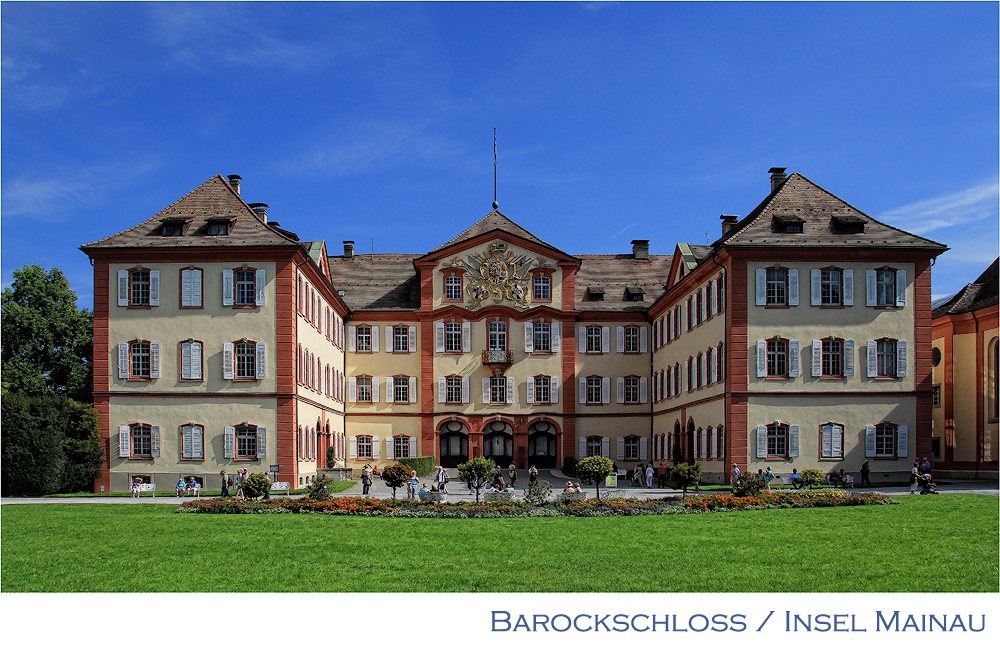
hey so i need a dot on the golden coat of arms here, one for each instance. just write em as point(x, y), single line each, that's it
point(498, 274)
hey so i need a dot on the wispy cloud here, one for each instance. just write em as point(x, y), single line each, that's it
point(623, 230)
point(594, 7)
point(970, 205)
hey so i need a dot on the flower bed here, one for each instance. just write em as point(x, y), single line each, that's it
point(517, 509)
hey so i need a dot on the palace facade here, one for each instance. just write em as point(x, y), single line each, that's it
point(800, 338)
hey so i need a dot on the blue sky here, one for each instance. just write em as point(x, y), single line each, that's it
point(615, 121)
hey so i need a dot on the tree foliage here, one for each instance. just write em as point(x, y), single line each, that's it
point(256, 485)
point(537, 492)
point(811, 477)
point(686, 474)
point(748, 484)
point(478, 472)
point(594, 469)
point(47, 343)
point(394, 477)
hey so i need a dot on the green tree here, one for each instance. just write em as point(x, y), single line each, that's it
point(256, 485)
point(47, 343)
point(811, 477)
point(478, 472)
point(81, 447)
point(394, 477)
point(686, 474)
point(31, 454)
point(748, 484)
point(594, 469)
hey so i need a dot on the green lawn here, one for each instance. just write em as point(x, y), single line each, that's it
point(927, 543)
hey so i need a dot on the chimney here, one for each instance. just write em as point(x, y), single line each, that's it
point(640, 249)
point(234, 180)
point(728, 221)
point(348, 249)
point(777, 177)
point(260, 209)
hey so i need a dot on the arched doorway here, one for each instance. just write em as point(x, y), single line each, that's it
point(453, 442)
point(689, 443)
point(542, 445)
point(498, 443)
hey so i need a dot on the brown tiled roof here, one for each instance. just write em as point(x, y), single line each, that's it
point(377, 281)
point(495, 221)
point(212, 200)
point(614, 273)
point(800, 197)
point(974, 296)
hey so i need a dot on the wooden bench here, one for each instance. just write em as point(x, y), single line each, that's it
point(146, 488)
point(194, 492)
point(281, 486)
point(788, 481)
point(433, 496)
point(500, 497)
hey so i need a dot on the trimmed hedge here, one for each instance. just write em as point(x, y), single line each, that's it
point(423, 465)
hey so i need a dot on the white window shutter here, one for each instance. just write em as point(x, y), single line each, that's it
point(849, 358)
point(390, 343)
point(582, 445)
point(414, 452)
point(583, 391)
point(529, 337)
point(762, 441)
point(352, 339)
point(837, 444)
point(230, 442)
point(686, 378)
point(510, 391)
point(390, 393)
point(154, 287)
point(761, 358)
point(620, 338)
point(620, 452)
point(872, 359)
point(817, 358)
point(581, 340)
point(414, 397)
point(704, 443)
point(466, 337)
point(621, 390)
point(353, 448)
point(553, 390)
point(124, 441)
point(531, 390)
point(197, 442)
point(902, 441)
point(187, 276)
point(390, 447)
point(196, 360)
point(227, 286)
point(439, 336)
point(154, 359)
point(643, 448)
point(826, 442)
point(376, 385)
point(375, 331)
point(412, 339)
point(870, 295)
point(123, 361)
point(261, 285)
point(761, 286)
point(815, 287)
point(605, 339)
point(196, 286)
point(486, 391)
point(794, 359)
point(376, 448)
point(793, 286)
point(715, 366)
point(606, 390)
point(704, 304)
point(466, 398)
point(261, 442)
point(901, 358)
point(670, 326)
point(644, 390)
point(901, 287)
point(261, 360)
point(793, 441)
point(848, 287)
point(605, 447)
point(704, 368)
point(352, 389)
point(442, 390)
point(556, 337)
point(713, 442)
point(643, 339)
point(123, 288)
point(228, 361)
point(869, 440)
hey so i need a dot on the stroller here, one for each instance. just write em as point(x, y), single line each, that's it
point(927, 485)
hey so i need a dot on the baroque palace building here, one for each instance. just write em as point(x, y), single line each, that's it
point(800, 338)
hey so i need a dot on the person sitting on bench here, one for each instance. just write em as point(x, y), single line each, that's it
point(796, 478)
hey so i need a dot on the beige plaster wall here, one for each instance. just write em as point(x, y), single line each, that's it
point(614, 429)
point(964, 396)
point(383, 427)
point(991, 429)
point(311, 339)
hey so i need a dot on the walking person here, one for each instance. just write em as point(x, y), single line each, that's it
point(442, 479)
point(512, 472)
point(225, 483)
point(865, 472)
point(661, 476)
point(649, 476)
point(240, 476)
point(411, 486)
point(366, 479)
point(532, 475)
point(914, 473)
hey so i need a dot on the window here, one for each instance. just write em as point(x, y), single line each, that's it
point(453, 288)
point(139, 287)
point(245, 283)
point(401, 389)
point(364, 336)
point(885, 358)
point(543, 337)
point(593, 340)
point(594, 446)
point(365, 447)
point(400, 339)
point(217, 228)
point(401, 447)
point(453, 337)
point(777, 287)
point(885, 287)
point(453, 390)
point(632, 390)
point(246, 442)
point(831, 441)
point(885, 440)
point(631, 339)
point(142, 440)
point(699, 308)
point(830, 287)
point(632, 448)
point(936, 395)
point(833, 357)
point(191, 359)
point(246, 360)
point(793, 228)
point(191, 287)
point(172, 229)
point(777, 357)
point(498, 390)
point(594, 390)
point(498, 335)
point(139, 354)
point(777, 440)
point(543, 395)
point(364, 384)
point(542, 288)
point(720, 289)
point(192, 441)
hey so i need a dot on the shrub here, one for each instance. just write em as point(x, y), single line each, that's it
point(394, 477)
point(319, 490)
point(594, 469)
point(748, 484)
point(569, 467)
point(686, 474)
point(811, 476)
point(537, 493)
point(478, 471)
point(331, 456)
point(32, 452)
point(257, 485)
point(423, 465)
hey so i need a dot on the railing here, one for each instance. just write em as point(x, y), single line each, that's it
point(498, 357)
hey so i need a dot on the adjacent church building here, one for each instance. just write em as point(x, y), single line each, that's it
point(800, 338)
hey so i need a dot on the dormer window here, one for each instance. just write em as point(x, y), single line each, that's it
point(217, 227)
point(173, 229)
point(848, 224)
point(596, 293)
point(634, 294)
point(787, 224)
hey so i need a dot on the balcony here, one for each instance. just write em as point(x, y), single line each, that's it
point(496, 358)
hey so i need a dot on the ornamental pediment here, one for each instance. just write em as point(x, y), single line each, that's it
point(497, 275)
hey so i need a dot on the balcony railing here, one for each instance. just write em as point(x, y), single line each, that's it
point(498, 357)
